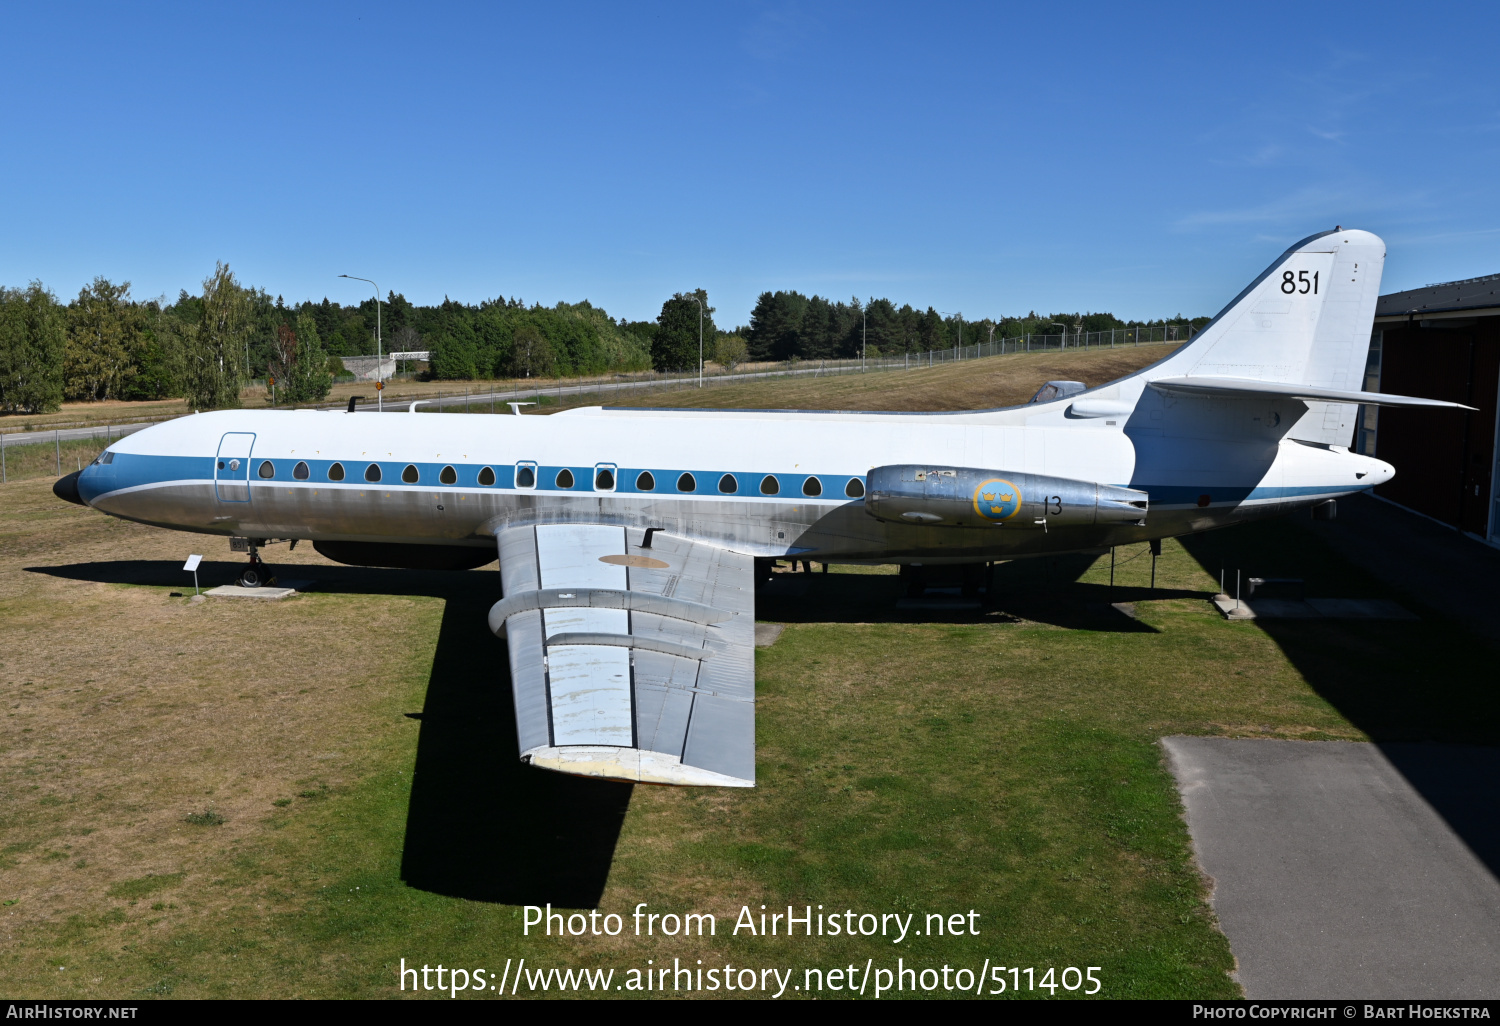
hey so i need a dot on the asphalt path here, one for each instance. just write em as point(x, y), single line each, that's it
point(1344, 870)
point(102, 432)
point(648, 386)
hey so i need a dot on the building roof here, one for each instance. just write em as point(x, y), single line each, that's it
point(1468, 294)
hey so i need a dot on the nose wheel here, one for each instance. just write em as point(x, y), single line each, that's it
point(255, 574)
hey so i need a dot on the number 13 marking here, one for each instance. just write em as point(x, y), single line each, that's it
point(1289, 283)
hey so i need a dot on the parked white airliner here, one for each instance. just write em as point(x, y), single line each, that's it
point(627, 537)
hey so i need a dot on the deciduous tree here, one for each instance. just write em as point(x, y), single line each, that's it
point(213, 364)
point(33, 339)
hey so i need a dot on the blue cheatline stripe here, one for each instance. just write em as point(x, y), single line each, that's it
point(130, 470)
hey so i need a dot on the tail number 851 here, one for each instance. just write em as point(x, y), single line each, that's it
point(1299, 283)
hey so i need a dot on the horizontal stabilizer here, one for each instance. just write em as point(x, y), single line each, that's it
point(1291, 390)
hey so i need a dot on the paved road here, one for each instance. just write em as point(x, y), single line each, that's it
point(619, 389)
point(1346, 870)
point(101, 432)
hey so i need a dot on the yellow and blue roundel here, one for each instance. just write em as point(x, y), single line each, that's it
point(997, 500)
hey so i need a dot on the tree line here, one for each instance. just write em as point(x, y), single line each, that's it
point(788, 325)
point(207, 347)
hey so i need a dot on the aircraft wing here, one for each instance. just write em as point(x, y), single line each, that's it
point(1291, 390)
point(626, 662)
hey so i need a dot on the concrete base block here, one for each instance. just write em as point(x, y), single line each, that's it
point(767, 633)
point(264, 592)
point(1311, 609)
point(946, 600)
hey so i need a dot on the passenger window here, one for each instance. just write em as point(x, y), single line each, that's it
point(645, 482)
point(448, 475)
point(410, 475)
point(769, 485)
point(565, 478)
point(525, 475)
point(372, 473)
point(813, 487)
point(266, 469)
point(604, 477)
point(486, 476)
point(728, 485)
point(300, 471)
point(336, 472)
point(855, 488)
point(686, 483)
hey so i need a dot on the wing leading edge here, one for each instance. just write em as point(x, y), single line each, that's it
point(630, 663)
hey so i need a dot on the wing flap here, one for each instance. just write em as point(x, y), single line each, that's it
point(630, 663)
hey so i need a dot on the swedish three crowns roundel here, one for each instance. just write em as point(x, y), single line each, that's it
point(997, 499)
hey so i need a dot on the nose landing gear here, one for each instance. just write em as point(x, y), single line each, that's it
point(256, 573)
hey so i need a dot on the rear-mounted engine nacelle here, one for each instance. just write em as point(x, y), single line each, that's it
point(966, 497)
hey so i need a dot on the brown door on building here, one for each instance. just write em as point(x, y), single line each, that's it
point(1443, 458)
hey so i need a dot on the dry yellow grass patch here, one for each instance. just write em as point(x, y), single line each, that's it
point(126, 710)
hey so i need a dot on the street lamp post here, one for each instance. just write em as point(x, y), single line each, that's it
point(379, 357)
point(694, 298)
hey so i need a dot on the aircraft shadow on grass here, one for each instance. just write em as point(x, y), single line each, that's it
point(1423, 690)
point(1040, 590)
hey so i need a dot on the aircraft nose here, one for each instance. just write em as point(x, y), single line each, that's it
point(66, 488)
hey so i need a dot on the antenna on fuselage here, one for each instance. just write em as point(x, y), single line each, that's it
point(352, 400)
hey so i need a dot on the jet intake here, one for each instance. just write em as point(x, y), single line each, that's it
point(967, 497)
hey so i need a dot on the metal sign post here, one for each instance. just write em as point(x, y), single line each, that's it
point(192, 564)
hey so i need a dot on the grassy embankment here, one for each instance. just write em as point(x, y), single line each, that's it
point(971, 388)
point(1004, 762)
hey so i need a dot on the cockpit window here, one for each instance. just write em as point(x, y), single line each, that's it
point(109, 457)
point(300, 471)
point(267, 469)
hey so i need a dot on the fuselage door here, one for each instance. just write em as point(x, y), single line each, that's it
point(232, 467)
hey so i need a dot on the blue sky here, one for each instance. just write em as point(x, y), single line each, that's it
point(980, 158)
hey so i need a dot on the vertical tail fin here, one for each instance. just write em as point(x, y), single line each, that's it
point(1306, 320)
